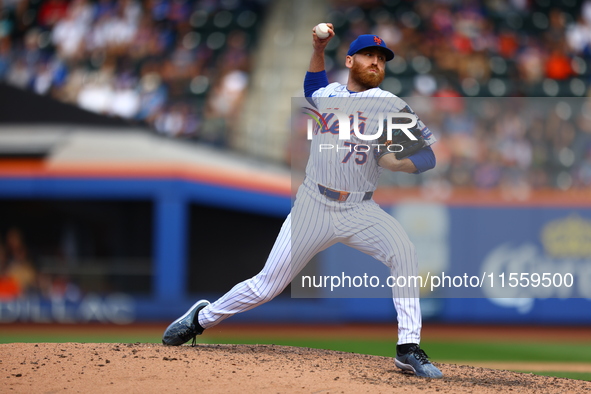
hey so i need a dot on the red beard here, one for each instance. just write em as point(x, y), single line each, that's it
point(366, 78)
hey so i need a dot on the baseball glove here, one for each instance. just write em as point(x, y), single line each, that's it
point(405, 147)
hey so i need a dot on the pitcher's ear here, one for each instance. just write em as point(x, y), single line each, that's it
point(349, 61)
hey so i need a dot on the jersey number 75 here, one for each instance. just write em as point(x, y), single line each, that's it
point(361, 156)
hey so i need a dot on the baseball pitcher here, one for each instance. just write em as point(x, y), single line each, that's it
point(335, 204)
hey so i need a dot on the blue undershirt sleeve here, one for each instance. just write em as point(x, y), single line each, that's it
point(314, 81)
point(424, 160)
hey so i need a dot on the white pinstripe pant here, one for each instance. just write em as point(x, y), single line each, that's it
point(314, 224)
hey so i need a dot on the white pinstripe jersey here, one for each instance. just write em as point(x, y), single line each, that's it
point(343, 168)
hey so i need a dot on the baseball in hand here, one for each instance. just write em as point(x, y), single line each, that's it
point(321, 30)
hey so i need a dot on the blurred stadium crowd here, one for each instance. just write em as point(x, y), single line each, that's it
point(475, 48)
point(183, 67)
point(516, 145)
point(537, 48)
point(153, 61)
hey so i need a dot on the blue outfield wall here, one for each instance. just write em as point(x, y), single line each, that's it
point(455, 240)
point(508, 240)
point(171, 203)
point(507, 246)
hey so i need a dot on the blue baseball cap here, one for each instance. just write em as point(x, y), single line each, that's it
point(369, 41)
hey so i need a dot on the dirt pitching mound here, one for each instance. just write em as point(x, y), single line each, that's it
point(153, 368)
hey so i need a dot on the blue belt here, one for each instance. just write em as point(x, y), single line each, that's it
point(338, 195)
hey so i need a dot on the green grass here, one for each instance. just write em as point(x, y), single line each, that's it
point(516, 351)
point(448, 350)
point(460, 352)
point(562, 374)
point(82, 338)
point(443, 350)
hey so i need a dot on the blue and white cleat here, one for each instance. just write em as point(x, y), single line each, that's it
point(417, 361)
point(185, 327)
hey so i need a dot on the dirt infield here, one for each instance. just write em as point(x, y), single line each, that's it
point(153, 368)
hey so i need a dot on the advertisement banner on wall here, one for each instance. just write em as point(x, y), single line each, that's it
point(489, 264)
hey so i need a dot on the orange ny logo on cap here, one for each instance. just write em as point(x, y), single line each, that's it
point(377, 40)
